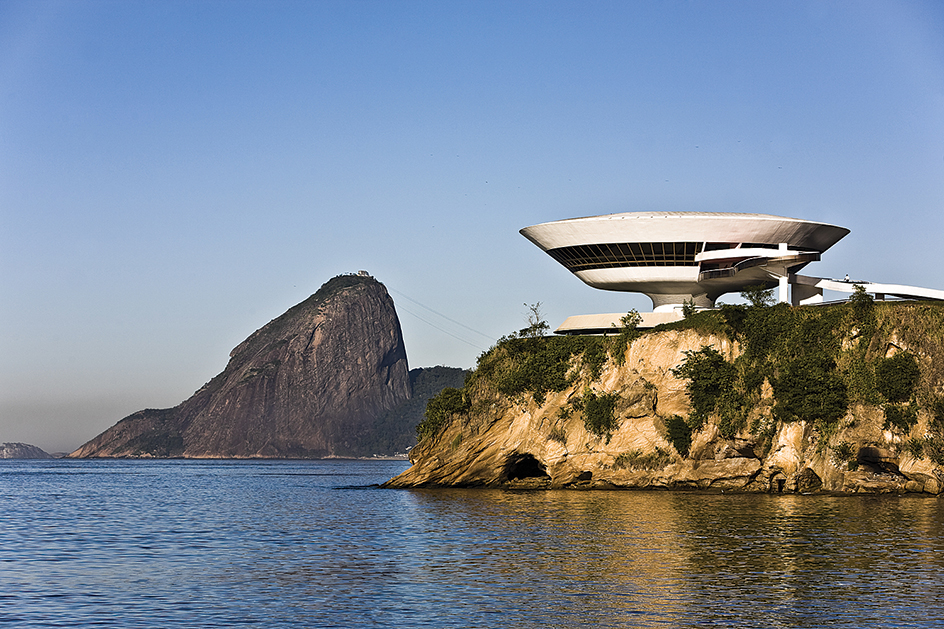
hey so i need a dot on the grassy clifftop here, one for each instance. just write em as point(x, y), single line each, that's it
point(860, 384)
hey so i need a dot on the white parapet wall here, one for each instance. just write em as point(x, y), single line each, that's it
point(807, 290)
point(610, 323)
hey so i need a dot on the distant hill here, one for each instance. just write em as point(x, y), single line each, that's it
point(22, 451)
point(327, 378)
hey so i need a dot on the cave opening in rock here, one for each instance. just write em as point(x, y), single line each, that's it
point(524, 465)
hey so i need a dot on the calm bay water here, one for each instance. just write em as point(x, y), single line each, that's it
point(316, 544)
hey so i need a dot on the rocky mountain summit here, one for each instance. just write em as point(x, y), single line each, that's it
point(845, 399)
point(14, 450)
point(312, 383)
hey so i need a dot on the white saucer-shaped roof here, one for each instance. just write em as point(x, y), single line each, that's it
point(678, 256)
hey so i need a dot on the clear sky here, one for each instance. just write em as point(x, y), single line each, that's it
point(173, 175)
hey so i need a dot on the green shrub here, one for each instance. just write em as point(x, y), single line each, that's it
point(767, 331)
point(810, 389)
point(844, 452)
point(937, 414)
point(534, 365)
point(732, 412)
point(863, 307)
point(599, 415)
point(758, 296)
point(709, 375)
point(934, 448)
point(897, 376)
point(679, 434)
point(440, 409)
point(859, 375)
point(702, 321)
point(915, 447)
point(593, 358)
point(627, 334)
point(734, 316)
point(900, 417)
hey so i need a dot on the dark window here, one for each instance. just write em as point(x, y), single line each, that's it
point(626, 254)
point(719, 246)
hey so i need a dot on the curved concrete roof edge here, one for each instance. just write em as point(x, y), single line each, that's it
point(684, 226)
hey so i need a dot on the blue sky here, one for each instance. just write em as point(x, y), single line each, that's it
point(173, 175)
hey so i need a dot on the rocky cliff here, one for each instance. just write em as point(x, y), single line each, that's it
point(311, 383)
point(796, 401)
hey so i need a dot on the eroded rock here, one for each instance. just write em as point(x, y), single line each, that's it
point(788, 458)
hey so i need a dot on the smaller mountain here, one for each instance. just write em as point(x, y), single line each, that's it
point(16, 450)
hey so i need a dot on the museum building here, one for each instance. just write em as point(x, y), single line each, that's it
point(695, 257)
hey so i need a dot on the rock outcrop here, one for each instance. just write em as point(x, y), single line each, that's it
point(310, 384)
point(16, 450)
point(518, 442)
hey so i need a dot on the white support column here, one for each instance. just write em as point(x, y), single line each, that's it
point(784, 296)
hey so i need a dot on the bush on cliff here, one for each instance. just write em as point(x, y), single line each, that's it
point(709, 376)
point(599, 416)
point(679, 434)
point(524, 362)
point(440, 409)
point(792, 348)
point(818, 360)
point(900, 417)
point(896, 377)
point(529, 362)
point(627, 334)
point(810, 389)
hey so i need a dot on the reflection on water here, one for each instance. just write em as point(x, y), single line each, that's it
point(308, 544)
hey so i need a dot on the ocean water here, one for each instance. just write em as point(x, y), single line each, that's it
point(317, 544)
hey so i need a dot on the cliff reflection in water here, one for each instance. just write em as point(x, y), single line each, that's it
point(582, 557)
point(813, 560)
point(647, 559)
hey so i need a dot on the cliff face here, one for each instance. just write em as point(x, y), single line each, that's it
point(311, 383)
point(517, 441)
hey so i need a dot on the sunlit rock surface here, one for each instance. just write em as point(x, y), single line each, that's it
point(518, 443)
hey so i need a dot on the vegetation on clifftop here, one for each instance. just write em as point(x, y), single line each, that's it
point(528, 363)
point(818, 361)
point(807, 363)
